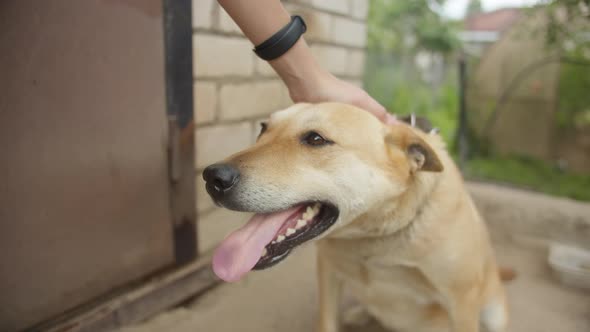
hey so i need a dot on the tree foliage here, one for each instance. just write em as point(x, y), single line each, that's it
point(474, 7)
point(568, 31)
point(568, 26)
point(410, 25)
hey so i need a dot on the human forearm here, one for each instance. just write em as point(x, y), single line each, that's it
point(306, 80)
point(259, 20)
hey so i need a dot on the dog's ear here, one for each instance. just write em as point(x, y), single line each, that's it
point(421, 156)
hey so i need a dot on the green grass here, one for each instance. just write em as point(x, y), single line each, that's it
point(531, 174)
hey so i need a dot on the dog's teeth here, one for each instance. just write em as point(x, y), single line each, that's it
point(300, 223)
point(316, 208)
point(264, 252)
point(280, 238)
point(273, 242)
point(290, 231)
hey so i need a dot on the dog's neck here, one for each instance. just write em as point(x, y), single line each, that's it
point(394, 216)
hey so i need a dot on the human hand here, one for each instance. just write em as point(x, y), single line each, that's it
point(308, 82)
point(326, 87)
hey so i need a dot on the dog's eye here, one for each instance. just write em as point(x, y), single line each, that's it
point(314, 139)
point(263, 127)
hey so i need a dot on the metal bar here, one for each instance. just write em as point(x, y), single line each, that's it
point(179, 100)
point(462, 133)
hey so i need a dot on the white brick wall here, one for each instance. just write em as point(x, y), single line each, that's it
point(349, 32)
point(203, 13)
point(221, 56)
point(205, 97)
point(215, 143)
point(251, 99)
point(234, 89)
point(334, 59)
point(359, 9)
point(337, 6)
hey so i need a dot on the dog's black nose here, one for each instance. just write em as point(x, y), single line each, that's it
point(220, 178)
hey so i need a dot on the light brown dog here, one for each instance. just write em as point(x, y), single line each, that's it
point(394, 221)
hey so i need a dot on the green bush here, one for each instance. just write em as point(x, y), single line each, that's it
point(531, 174)
point(574, 99)
point(440, 107)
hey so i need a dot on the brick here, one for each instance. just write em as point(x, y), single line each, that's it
point(319, 27)
point(356, 63)
point(203, 13)
point(319, 24)
point(349, 32)
point(338, 6)
point(205, 95)
point(226, 24)
point(215, 143)
point(334, 59)
point(216, 225)
point(359, 9)
point(250, 99)
point(204, 202)
point(216, 56)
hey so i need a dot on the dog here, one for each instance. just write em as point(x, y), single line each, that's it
point(387, 207)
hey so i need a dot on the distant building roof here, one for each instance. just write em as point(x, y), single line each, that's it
point(497, 21)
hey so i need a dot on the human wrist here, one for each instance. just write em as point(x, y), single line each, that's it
point(300, 72)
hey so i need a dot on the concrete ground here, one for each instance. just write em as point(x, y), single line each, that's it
point(284, 299)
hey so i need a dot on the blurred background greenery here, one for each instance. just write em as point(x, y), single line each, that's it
point(527, 85)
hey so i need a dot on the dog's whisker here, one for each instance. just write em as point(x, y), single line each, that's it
point(434, 131)
point(413, 120)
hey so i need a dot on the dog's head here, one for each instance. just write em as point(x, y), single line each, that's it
point(313, 169)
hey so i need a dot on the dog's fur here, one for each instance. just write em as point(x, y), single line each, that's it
point(409, 242)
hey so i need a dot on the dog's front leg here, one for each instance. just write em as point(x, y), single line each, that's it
point(330, 289)
point(464, 314)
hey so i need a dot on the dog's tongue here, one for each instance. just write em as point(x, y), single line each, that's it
point(239, 252)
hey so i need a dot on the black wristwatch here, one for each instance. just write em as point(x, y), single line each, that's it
point(279, 43)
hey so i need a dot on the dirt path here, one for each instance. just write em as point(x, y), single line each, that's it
point(522, 214)
point(284, 298)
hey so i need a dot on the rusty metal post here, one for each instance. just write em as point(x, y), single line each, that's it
point(462, 140)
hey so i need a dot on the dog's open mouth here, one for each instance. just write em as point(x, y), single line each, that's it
point(269, 238)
